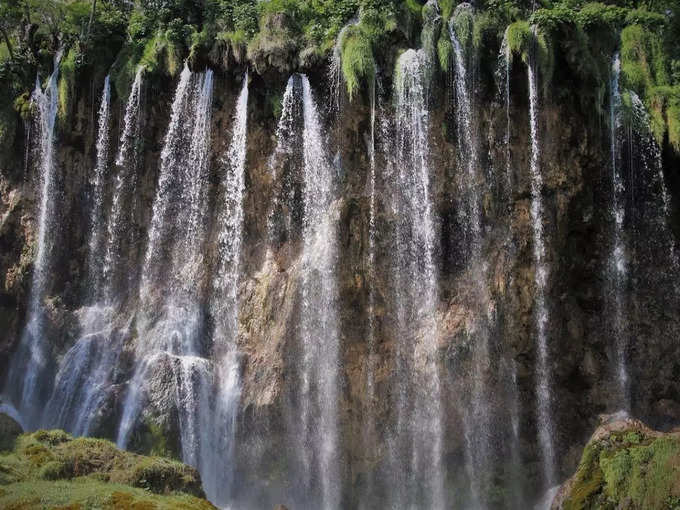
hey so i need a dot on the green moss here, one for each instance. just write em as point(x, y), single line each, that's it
point(413, 7)
point(358, 64)
point(24, 106)
point(444, 51)
point(522, 40)
point(588, 479)
point(90, 472)
point(66, 86)
point(124, 68)
point(616, 470)
point(54, 470)
point(89, 493)
point(463, 22)
point(52, 437)
point(518, 36)
point(628, 468)
point(160, 54)
point(446, 7)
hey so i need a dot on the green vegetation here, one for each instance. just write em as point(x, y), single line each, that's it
point(529, 41)
point(633, 466)
point(573, 38)
point(357, 59)
point(647, 69)
point(50, 468)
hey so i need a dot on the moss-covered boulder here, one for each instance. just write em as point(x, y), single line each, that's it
point(49, 469)
point(625, 465)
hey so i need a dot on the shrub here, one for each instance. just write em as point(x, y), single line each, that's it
point(597, 15)
point(551, 19)
point(648, 19)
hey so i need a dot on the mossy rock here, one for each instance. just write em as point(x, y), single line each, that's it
point(69, 472)
point(10, 430)
point(625, 465)
point(276, 45)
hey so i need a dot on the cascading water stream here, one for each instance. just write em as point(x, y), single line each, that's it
point(503, 72)
point(126, 164)
point(467, 145)
point(617, 264)
point(650, 154)
point(371, 350)
point(285, 164)
point(171, 330)
point(30, 368)
point(84, 374)
point(303, 208)
point(541, 275)
point(319, 321)
point(99, 192)
point(416, 442)
point(217, 470)
point(477, 419)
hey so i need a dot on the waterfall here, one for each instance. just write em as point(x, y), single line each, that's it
point(285, 164)
point(99, 191)
point(30, 368)
point(319, 321)
point(84, 375)
point(650, 154)
point(541, 275)
point(477, 419)
point(416, 443)
point(171, 330)
point(371, 350)
point(123, 189)
point(503, 73)
point(217, 471)
point(467, 146)
point(303, 208)
point(616, 274)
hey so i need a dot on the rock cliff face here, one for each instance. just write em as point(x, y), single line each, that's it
point(484, 316)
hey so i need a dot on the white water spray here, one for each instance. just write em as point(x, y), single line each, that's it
point(541, 275)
